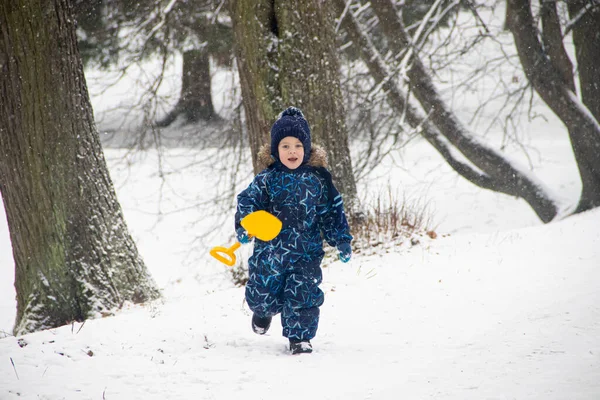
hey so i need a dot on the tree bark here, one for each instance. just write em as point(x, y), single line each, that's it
point(255, 41)
point(310, 80)
point(74, 258)
point(287, 56)
point(586, 36)
point(552, 39)
point(584, 128)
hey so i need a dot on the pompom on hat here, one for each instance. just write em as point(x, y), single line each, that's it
point(291, 122)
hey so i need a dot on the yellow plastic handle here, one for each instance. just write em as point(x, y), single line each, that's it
point(261, 224)
point(224, 254)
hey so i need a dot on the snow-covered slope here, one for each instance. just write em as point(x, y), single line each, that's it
point(506, 315)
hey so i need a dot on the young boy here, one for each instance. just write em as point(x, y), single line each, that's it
point(285, 273)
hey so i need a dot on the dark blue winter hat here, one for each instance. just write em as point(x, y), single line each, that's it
point(291, 122)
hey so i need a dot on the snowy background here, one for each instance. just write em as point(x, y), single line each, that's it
point(498, 306)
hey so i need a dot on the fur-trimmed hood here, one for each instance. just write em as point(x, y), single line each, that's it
point(318, 157)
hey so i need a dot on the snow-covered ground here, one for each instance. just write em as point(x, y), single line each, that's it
point(501, 308)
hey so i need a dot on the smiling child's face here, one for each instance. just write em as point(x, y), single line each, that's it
point(291, 152)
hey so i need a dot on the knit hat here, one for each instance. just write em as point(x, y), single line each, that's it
point(291, 122)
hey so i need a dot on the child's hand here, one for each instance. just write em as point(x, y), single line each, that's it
point(243, 238)
point(345, 252)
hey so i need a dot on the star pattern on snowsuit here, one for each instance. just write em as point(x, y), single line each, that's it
point(285, 273)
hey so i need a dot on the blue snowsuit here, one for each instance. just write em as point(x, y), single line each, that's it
point(285, 273)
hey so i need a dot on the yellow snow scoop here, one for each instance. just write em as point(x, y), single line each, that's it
point(260, 224)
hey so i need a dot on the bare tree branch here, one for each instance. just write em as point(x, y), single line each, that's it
point(500, 174)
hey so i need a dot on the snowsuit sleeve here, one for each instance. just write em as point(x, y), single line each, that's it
point(255, 197)
point(333, 221)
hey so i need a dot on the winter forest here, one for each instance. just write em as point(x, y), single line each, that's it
point(463, 136)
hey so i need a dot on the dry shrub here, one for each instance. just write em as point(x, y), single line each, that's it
point(388, 221)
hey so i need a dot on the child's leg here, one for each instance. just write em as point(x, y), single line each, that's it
point(302, 299)
point(264, 288)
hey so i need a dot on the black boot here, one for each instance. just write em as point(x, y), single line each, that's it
point(300, 346)
point(260, 325)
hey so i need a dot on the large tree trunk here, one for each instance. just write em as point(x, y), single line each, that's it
point(552, 39)
point(584, 128)
point(255, 41)
point(310, 80)
point(195, 101)
point(287, 56)
point(488, 168)
point(74, 257)
point(586, 36)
